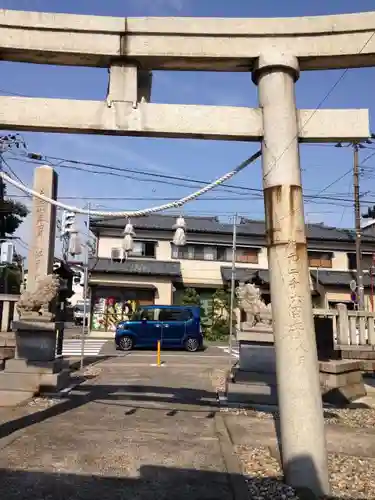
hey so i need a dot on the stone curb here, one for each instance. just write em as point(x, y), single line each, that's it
point(224, 403)
point(235, 476)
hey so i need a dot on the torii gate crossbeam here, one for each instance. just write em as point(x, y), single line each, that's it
point(274, 51)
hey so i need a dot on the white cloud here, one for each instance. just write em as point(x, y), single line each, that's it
point(155, 7)
point(91, 146)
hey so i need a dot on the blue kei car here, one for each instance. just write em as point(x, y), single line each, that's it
point(174, 326)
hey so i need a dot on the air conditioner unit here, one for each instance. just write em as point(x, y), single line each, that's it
point(117, 255)
point(7, 252)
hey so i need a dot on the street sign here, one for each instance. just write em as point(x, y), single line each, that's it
point(353, 285)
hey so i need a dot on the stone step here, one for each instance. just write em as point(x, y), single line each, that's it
point(250, 377)
point(256, 393)
point(19, 382)
point(14, 398)
point(23, 366)
point(33, 382)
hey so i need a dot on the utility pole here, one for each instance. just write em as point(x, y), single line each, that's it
point(357, 212)
point(85, 287)
point(7, 142)
point(2, 193)
point(232, 284)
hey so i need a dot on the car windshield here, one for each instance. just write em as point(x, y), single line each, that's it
point(80, 308)
point(141, 314)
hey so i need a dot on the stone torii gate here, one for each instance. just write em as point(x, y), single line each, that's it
point(274, 51)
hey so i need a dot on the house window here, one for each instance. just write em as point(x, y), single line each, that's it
point(143, 249)
point(320, 259)
point(209, 253)
point(212, 253)
point(185, 252)
point(367, 261)
point(248, 255)
point(223, 254)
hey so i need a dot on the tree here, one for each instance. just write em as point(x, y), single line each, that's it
point(220, 316)
point(12, 214)
point(191, 297)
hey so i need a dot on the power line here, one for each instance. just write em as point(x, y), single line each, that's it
point(308, 198)
point(327, 95)
point(3, 91)
point(155, 177)
point(196, 181)
point(15, 175)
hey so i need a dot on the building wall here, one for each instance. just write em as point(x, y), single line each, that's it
point(340, 261)
point(199, 272)
point(207, 274)
point(163, 286)
point(163, 252)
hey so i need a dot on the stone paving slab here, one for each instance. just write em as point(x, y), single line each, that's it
point(104, 444)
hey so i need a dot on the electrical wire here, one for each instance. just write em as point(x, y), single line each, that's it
point(244, 188)
point(136, 213)
point(46, 159)
point(327, 95)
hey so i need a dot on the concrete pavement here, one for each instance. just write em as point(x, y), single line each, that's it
point(139, 432)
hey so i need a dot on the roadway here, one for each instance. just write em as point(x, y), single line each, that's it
point(96, 347)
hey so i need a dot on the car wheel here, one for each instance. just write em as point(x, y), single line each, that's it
point(126, 343)
point(191, 345)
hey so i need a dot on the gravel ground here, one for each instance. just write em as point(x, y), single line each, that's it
point(91, 371)
point(363, 418)
point(351, 477)
point(42, 403)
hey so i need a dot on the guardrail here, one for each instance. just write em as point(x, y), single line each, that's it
point(352, 330)
point(8, 312)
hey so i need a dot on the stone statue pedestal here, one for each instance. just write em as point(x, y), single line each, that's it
point(35, 368)
point(254, 381)
point(35, 339)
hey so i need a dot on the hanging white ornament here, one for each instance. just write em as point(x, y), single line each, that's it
point(127, 242)
point(179, 238)
point(75, 246)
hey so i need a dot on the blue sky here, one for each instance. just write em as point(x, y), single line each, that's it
point(199, 159)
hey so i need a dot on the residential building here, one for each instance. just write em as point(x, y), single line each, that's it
point(157, 272)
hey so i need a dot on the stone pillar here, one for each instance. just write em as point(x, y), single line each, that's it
point(303, 446)
point(5, 316)
point(128, 83)
point(43, 228)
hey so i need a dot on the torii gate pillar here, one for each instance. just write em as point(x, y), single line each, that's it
point(300, 401)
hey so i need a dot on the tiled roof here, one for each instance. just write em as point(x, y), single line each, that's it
point(338, 278)
point(132, 266)
point(246, 227)
point(245, 274)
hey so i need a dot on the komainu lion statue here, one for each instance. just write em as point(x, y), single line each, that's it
point(46, 290)
point(250, 300)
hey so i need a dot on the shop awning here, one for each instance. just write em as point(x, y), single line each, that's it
point(338, 278)
point(245, 274)
point(259, 277)
point(135, 267)
point(139, 286)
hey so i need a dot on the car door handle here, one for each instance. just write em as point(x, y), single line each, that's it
point(157, 326)
point(166, 326)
